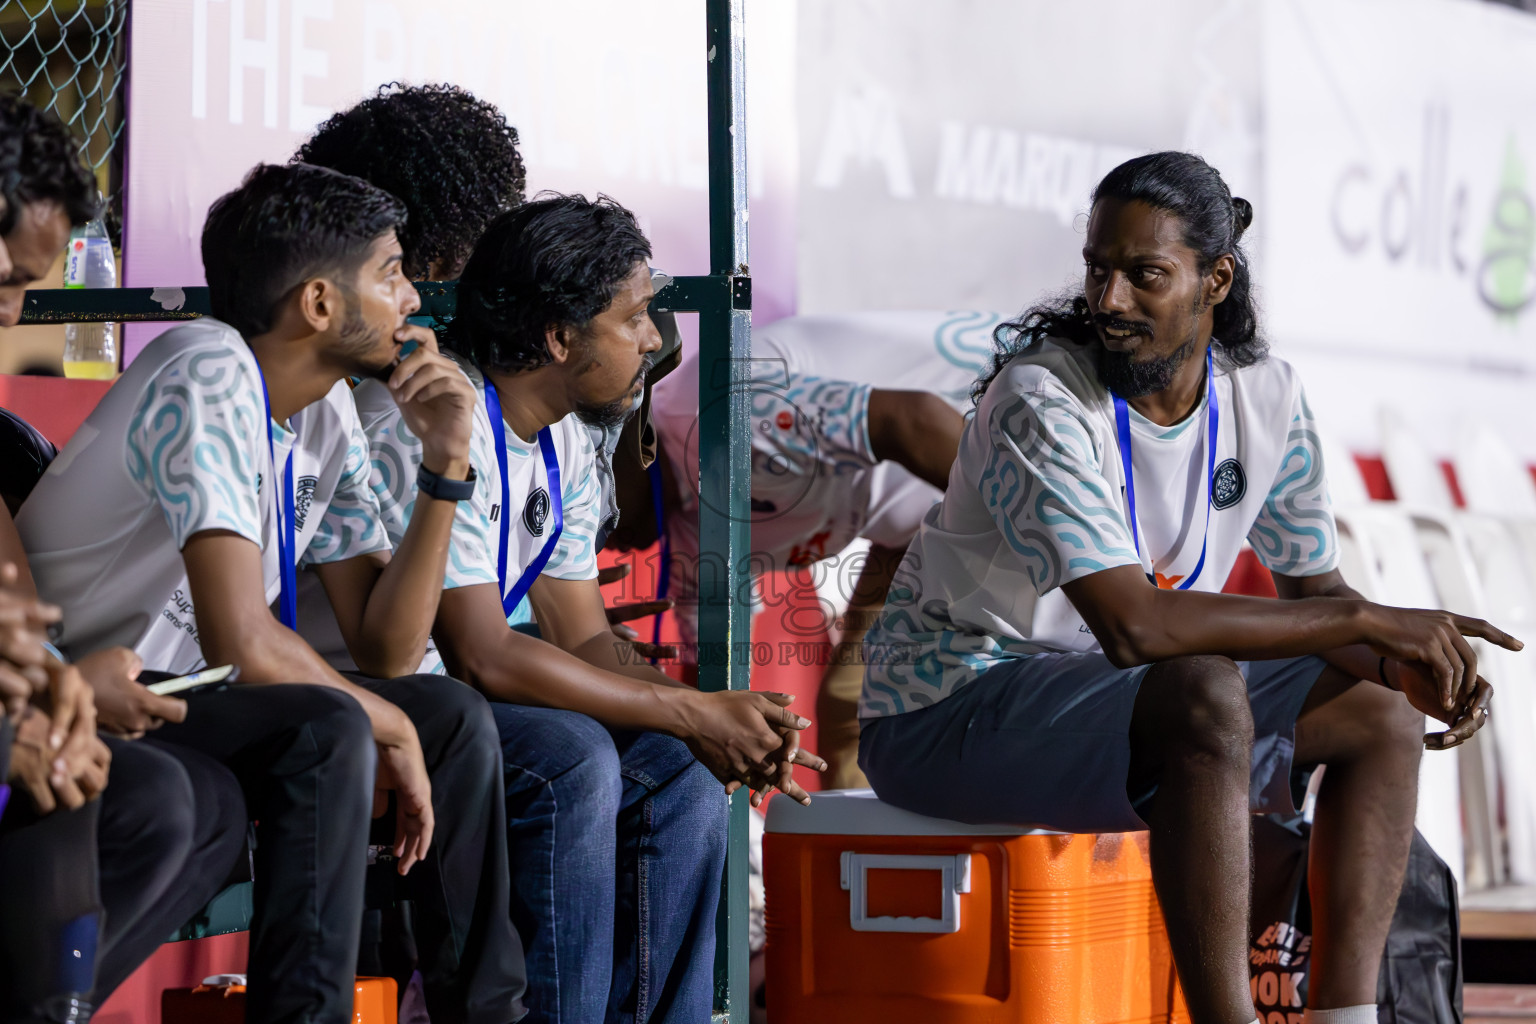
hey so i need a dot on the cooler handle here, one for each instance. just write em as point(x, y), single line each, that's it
point(954, 878)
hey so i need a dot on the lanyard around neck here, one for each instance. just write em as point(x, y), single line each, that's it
point(288, 595)
point(512, 598)
point(1212, 422)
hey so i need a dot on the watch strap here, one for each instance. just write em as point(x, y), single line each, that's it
point(442, 488)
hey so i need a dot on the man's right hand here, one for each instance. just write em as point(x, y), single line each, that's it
point(733, 733)
point(71, 776)
point(1437, 641)
point(124, 706)
point(402, 768)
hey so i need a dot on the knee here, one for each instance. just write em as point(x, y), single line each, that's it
point(159, 809)
point(566, 755)
point(341, 731)
point(1392, 725)
point(1198, 706)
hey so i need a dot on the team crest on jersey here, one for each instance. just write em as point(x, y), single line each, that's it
point(1229, 485)
point(303, 497)
point(536, 512)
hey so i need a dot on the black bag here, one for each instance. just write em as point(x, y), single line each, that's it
point(1420, 979)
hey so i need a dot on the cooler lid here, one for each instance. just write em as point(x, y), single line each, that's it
point(858, 812)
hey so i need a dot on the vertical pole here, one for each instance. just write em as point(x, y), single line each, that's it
point(725, 324)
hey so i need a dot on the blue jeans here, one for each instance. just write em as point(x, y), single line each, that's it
point(617, 845)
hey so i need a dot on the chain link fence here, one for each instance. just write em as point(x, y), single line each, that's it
point(70, 57)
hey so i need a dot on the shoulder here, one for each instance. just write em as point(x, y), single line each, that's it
point(1271, 388)
point(1047, 378)
point(206, 353)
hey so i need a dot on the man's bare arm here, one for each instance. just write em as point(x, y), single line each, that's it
point(236, 627)
point(571, 616)
point(918, 429)
point(1136, 623)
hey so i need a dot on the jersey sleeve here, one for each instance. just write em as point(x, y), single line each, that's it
point(1295, 534)
point(351, 525)
point(814, 420)
point(575, 554)
point(395, 455)
point(198, 440)
point(1044, 486)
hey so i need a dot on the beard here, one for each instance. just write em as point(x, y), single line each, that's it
point(607, 415)
point(1130, 379)
point(1127, 378)
point(357, 344)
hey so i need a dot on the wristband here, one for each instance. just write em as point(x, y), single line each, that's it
point(440, 487)
point(1381, 670)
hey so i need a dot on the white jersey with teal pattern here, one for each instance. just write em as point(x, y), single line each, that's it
point(179, 446)
point(472, 555)
point(1037, 500)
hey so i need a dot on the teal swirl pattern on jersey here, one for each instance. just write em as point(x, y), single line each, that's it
point(395, 455)
point(1295, 533)
point(196, 443)
point(1043, 486)
point(964, 339)
point(351, 524)
point(810, 425)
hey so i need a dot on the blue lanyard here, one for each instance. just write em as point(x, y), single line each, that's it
point(664, 572)
point(288, 595)
point(514, 597)
point(1212, 421)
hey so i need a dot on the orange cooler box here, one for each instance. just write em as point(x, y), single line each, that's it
point(221, 1000)
point(879, 915)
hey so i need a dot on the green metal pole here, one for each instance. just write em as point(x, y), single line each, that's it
point(725, 326)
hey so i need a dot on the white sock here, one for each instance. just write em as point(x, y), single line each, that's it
point(1365, 1013)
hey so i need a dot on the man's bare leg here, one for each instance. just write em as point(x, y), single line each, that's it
point(837, 701)
point(1371, 741)
point(1192, 732)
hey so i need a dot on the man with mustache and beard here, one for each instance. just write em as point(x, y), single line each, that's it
point(1055, 650)
point(228, 454)
point(616, 815)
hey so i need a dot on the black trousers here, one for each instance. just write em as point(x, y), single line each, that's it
point(172, 828)
point(471, 959)
point(49, 907)
point(304, 758)
point(86, 896)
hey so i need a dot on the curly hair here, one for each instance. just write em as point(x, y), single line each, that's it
point(557, 261)
point(450, 157)
point(40, 162)
point(285, 224)
point(1213, 221)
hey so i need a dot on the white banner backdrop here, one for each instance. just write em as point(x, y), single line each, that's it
point(1388, 147)
point(1400, 137)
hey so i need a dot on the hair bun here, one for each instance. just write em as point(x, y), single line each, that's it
point(1242, 212)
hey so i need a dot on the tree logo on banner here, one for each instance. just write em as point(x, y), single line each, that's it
point(1506, 280)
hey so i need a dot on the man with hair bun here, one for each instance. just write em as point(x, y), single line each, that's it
point(1055, 650)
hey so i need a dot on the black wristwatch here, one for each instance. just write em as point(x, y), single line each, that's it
point(444, 489)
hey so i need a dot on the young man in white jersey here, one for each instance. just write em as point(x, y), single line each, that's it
point(228, 454)
point(851, 438)
point(617, 829)
point(1055, 650)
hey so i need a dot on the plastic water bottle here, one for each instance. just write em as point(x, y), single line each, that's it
point(90, 350)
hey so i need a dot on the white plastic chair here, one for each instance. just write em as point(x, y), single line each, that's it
point(1379, 556)
point(1480, 568)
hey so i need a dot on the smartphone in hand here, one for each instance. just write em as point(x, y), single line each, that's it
point(207, 679)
